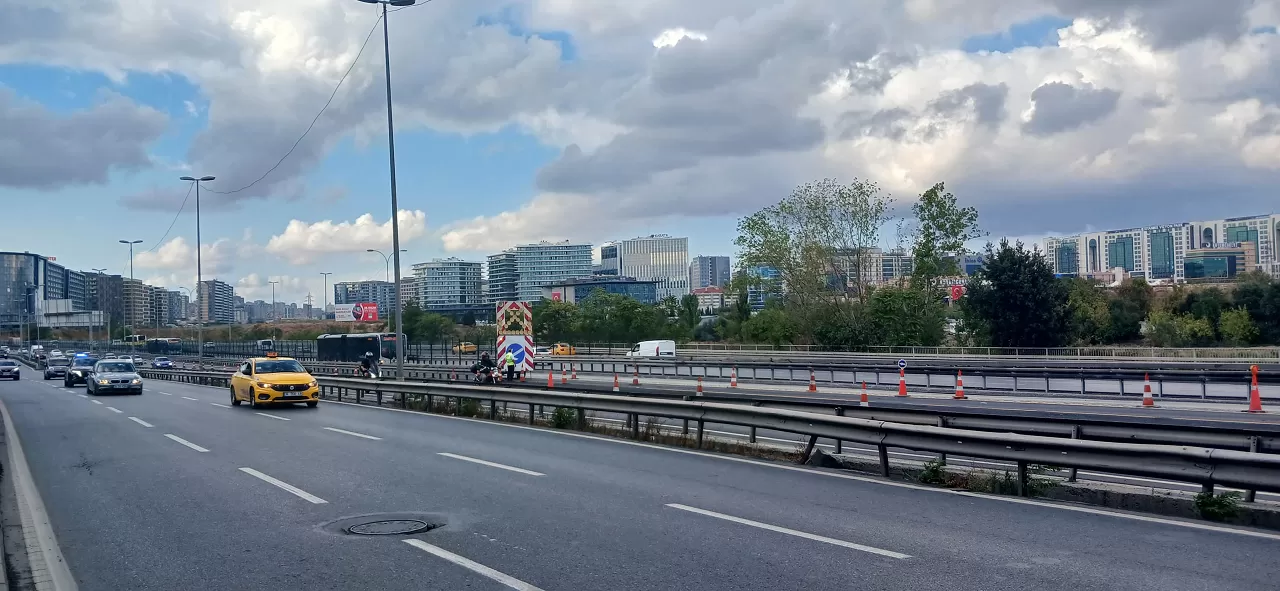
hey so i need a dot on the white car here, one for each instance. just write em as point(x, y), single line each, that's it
point(55, 353)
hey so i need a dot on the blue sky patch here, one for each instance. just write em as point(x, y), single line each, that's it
point(1038, 32)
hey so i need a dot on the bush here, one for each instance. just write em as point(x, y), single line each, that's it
point(934, 473)
point(468, 407)
point(1218, 507)
point(564, 417)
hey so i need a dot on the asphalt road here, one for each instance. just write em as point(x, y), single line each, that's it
point(136, 505)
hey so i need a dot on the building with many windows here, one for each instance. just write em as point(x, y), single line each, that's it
point(216, 302)
point(709, 298)
point(178, 302)
point(382, 293)
point(1158, 253)
point(520, 273)
point(448, 283)
point(660, 258)
point(1219, 262)
point(709, 271)
point(576, 290)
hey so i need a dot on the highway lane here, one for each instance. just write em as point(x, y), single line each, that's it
point(596, 517)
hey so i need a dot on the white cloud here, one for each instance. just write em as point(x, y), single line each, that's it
point(177, 254)
point(288, 288)
point(670, 37)
point(302, 243)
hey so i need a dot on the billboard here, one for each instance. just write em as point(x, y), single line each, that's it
point(515, 332)
point(361, 312)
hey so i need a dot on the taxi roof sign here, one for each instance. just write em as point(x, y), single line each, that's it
point(272, 354)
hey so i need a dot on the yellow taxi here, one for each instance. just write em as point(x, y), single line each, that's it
point(464, 348)
point(563, 349)
point(273, 380)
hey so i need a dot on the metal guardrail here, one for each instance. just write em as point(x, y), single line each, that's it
point(1205, 466)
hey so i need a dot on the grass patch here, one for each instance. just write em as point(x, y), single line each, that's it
point(1218, 507)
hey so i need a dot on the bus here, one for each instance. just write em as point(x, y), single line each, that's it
point(164, 346)
point(351, 347)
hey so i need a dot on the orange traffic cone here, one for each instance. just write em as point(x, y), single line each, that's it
point(699, 385)
point(813, 383)
point(635, 379)
point(1255, 396)
point(573, 372)
point(902, 382)
point(522, 376)
point(733, 378)
point(616, 388)
point(864, 401)
point(551, 381)
point(960, 385)
point(564, 377)
point(1147, 400)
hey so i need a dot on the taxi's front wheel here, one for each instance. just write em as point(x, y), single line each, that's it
point(313, 404)
point(234, 401)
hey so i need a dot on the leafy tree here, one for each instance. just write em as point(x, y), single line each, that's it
point(468, 318)
point(670, 306)
point(1260, 296)
point(907, 317)
point(942, 229)
point(771, 325)
point(1208, 304)
point(1168, 329)
point(1090, 316)
point(1126, 320)
point(1018, 300)
point(689, 313)
point(554, 321)
point(1236, 327)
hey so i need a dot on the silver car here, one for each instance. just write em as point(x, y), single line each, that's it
point(114, 376)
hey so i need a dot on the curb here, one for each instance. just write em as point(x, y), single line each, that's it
point(49, 571)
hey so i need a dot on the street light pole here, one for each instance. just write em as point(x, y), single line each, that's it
point(386, 261)
point(130, 318)
point(199, 273)
point(395, 207)
point(324, 312)
point(274, 315)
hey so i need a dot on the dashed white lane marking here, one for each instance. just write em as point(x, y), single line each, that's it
point(284, 485)
point(186, 443)
point(114, 409)
point(82, 395)
point(270, 416)
point(472, 566)
point(491, 464)
point(792, 532)
point(190, 398)
point(96, 401)
point(219, 405)
point(352, 433)
point(141, 422)
point(166, 393)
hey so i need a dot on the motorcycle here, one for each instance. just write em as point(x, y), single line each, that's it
point(486, 376)
point(371, 374)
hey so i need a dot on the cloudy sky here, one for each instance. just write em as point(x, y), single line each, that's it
point(525, 120)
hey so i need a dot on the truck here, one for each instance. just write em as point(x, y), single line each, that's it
point(663, 348)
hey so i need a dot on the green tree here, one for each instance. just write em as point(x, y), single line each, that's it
point(554, 321)
point(1236, 328)
point(1208, 304)
point(1169, 329)
point(1090, 315)
point(771, 325)
point(670, 306)
point(1017, 298)
point(907, 317)
point(690, 314)
point(1132, 303)
point(942, 229)
point(1259, 294)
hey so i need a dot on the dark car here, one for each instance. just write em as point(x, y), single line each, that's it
point(161, 363)
point(79, 369)
point(9, 370)
point(56, 368)
point(114, 376)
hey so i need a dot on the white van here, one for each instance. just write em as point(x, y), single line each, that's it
point(653, 349)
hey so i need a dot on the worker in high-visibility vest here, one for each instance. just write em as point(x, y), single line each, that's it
point(509, 362)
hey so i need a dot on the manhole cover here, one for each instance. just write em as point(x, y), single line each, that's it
point(391, 527)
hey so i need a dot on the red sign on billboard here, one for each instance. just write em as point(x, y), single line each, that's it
point(364, 312)
point(555, 296)
point(957, 291)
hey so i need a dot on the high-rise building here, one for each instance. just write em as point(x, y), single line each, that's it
point(381, 293)
point(137, 304)
point(177, 306)
point(1158, 253)
point(108, 296)
point(520, 273)
point(895, 265)
point(158, 306)
point(20, 278)
point(448, 283)
point(217, 302)
point(709, 271)
point(766, 283)
point(658, 258)
point(410, 291)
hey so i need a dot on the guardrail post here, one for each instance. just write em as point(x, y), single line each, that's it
point(531, 415)
point(751, 437)
point(1206, 488)
point(684, 430)
point(942, 457)
point(884, 459)
point(1022, 479)
point(1204, 387)
point(431, 407)
point(808, 448)
point(359, 395)
point(1015, 382)
point(635, 427)
point(839, 443)
point(1075, 434)
point(378, 392)
point(700, 429)
point(1250, 495)
point(582, 419)
point(493, 409)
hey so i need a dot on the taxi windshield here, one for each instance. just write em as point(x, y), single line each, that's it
point(278, 366)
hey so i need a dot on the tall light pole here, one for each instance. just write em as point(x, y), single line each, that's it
point(395, 207)
point(385, 260)
point(130, 318)
point(199, 273)
point(274, 315)
point(324, 312)
point(98, 291)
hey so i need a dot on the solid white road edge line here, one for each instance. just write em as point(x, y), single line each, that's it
point(491, 464)
point(43, 554)
point(792, 532)
point(472, 566)
point(272, 416)
point(352, 433)
point(141, 422)
point(186, 443)
point(285, 486)
point(830, 474)
point(114, 409)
